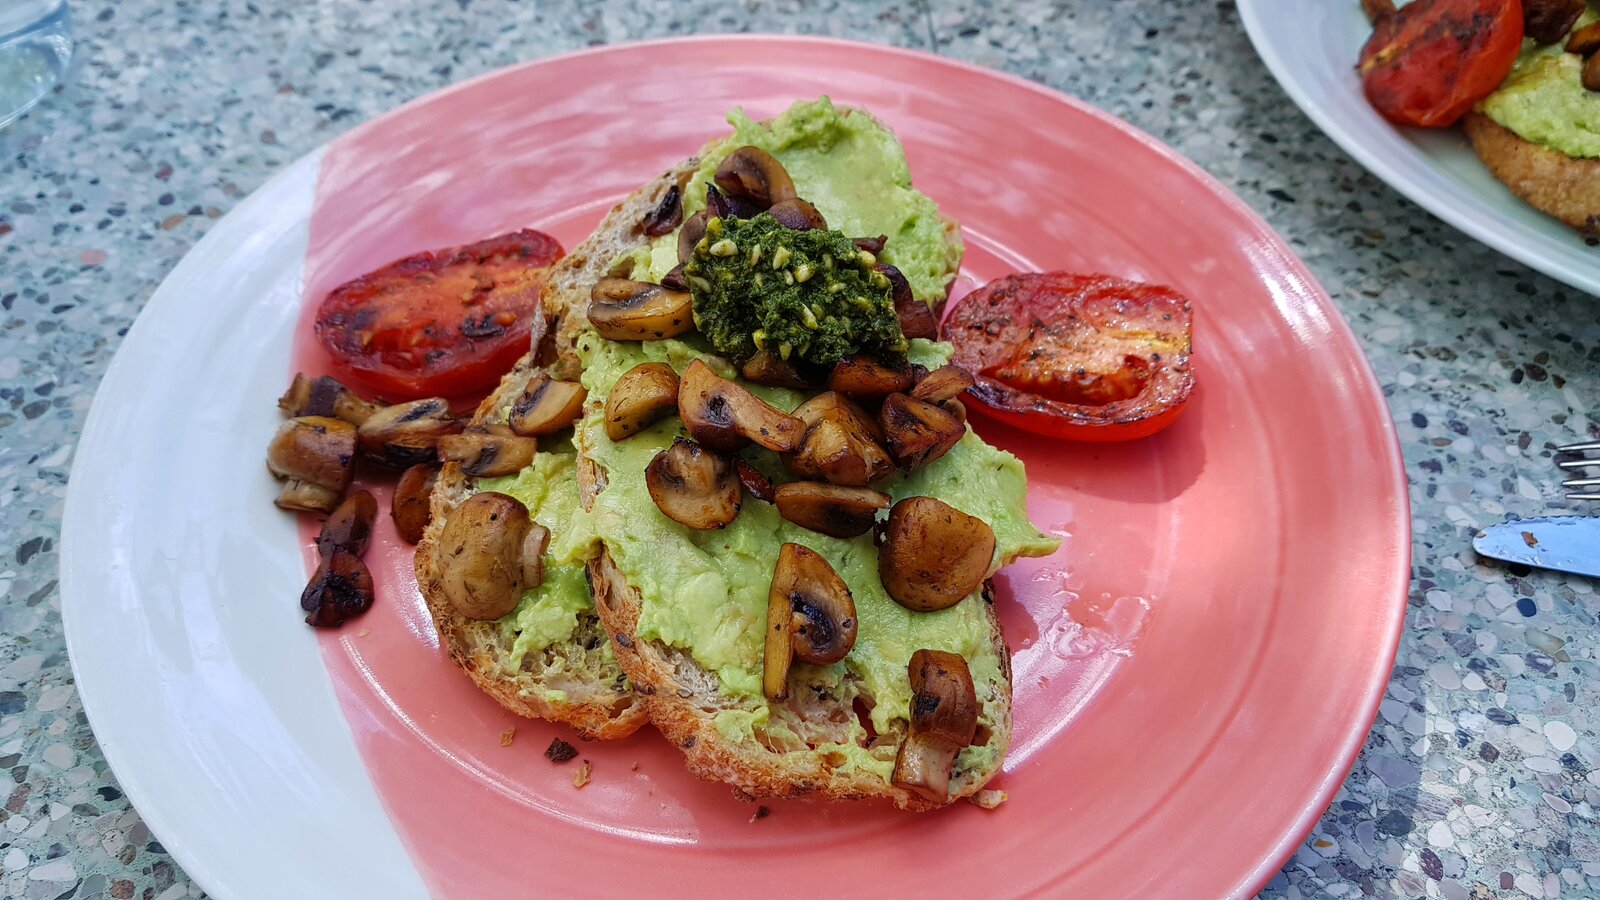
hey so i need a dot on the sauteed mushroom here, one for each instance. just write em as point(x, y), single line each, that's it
point(766, 367)
point(864, 378)
point(666, 215)
point(873, 245)
point(1591, 72)
point(944, 718)
point(409, 507)
point(316, 455)
point(841, 443)
point(349, 527)
point(693, 486)
point(830, 508)
point(643, 394)
point(933, 554)
point(341, 587)
point(942, 384)
point(724, 416)
point(488, 451)
point(324, 396)
point(406, 434)
point(916, 318)
point(810, 616)
point(755, 483)
point(675, 279)
point(1548, 21)
point(1585, 41)
point(546, 406)
point(483, 544)
point(622, 309)
point(919, 432)
point(694, 228)
point(756, 175)
point(798, 215)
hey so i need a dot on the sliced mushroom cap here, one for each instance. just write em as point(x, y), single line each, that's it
point(830, 508)
point(728, 206)
point(944, 719)
point(873, 245)
point(642, 395)
point(546, 406)
point(693, 486)
point(481, 555)
point(666, 215)
point(864, 378)
point(694, 228)
point(622, 309)
point(1591, 73)
point(756, 175)
point(943, 383)
point(810, 616)
point(325, 396)
point(755, 483)
point(407, 434)
point(916, 318)
point(488, 452)
point(766, 367)
point(726, 417)
point(933, 554)
point(349, 526)
point(409, 507)
point(798, 215)
point(1585, 40)
point(340, 589)
point(841, 443)
point(316, 455)
point(918, 432)
point(1548, 21)
point(675, 279)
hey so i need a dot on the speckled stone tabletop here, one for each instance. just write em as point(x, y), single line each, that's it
point(1482, 775)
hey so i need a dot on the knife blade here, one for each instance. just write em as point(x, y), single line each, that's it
point(1562, 543)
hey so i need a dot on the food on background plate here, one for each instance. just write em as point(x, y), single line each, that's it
point(1522, 77)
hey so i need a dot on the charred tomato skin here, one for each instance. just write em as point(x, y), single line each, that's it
point(1082, 357)
point(1433, 60)
point(441, 323)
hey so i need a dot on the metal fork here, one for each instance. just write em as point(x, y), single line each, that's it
point(1590, 487)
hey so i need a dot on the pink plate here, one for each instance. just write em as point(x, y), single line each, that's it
point(1195, 670)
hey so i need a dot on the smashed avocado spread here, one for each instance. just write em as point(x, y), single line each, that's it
point(1544, 101)
point(852, 169)
point(705, 592)
point(760, 286)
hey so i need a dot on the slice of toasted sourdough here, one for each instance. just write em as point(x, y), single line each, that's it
point(1562, 186)
point(577, 681)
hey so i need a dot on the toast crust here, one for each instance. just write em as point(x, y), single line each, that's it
point(1559, 185)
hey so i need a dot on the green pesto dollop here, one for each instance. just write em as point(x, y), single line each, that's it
point(1543, 100)
point(808, 294)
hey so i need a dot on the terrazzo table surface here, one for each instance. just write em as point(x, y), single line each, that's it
point(1482, 774)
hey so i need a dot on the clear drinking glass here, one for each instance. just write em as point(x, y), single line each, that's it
point(35, 47)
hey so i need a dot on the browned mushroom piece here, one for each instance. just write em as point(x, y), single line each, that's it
point(755, 483)
point(340, 589)
point(534, 545)
point(1548, 21)
point(919, 432)
point(693, 486)
point(325, 396)
point(349, 526)
point(694, 228)
point(798, 215)
point(933, 554)
point(642, 395)
point(725, 417)
point(488, 451)
point(866, 379)
point(873, 245)
point(409, 507)
point(810, 616)
point(666, 215)
point(316, 456)
point(755, 175)
point(482, 572)
point(841, 443)
point(766, 367)
point(622, 309)
point(1591, 72)
point(546, 406)
point(1585, 41)
point(916, 318)
point(407, 434)
point(944, 719)
point(830, 508)
point(675, 279)
point(943, 383)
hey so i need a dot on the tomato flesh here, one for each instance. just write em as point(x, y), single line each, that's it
point(1433, 60)
point(444, 323)
point(1085, 357)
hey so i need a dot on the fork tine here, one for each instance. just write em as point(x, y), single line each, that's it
point(1578, 463)
point(1581, 482)
point(1579, 448)
point(1583, 496)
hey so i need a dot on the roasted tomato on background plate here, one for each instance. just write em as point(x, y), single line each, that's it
point(446, 323)
point(1428, 63)
point(1083, 357)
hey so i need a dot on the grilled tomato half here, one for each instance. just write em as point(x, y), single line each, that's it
point(1083, 357)
point(1432, 60)
point(444, 323)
